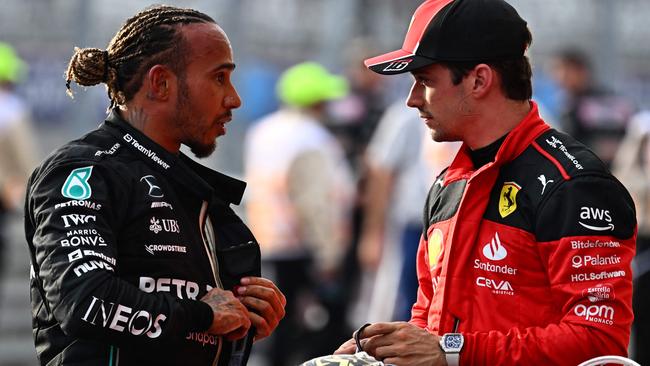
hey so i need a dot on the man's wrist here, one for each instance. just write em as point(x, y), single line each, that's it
point(451, 345)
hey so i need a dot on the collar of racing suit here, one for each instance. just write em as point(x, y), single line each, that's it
point(200, 180)
point(515, 143)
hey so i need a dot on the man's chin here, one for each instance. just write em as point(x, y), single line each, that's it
point(203, 151)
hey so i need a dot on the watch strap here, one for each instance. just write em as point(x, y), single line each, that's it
point(453, 359)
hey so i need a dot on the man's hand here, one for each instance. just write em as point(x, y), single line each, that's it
point(399, 343)
point(231, 318)
point(347, 348)
point(265, 302)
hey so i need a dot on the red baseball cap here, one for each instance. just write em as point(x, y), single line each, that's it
point(456, 30)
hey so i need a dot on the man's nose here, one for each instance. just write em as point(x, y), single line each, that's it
point(414, 99)
point(232, 100)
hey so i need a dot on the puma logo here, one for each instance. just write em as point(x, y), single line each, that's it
point(544, 182)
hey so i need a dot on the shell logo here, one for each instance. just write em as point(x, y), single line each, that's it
point(435, 247)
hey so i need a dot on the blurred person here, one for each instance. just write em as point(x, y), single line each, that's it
point(357, 114)
point(591, 113)
point(137, 257)
point(632, 166)
point(524, 259)
point(17, 147)
point(298, 207)
point(402, 163)
point(353, 121)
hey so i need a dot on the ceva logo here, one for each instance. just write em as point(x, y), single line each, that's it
point(494, 250)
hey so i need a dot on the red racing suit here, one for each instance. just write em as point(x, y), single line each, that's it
point(528, 256)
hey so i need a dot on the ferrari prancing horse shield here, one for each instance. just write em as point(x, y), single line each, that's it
point(508, 198)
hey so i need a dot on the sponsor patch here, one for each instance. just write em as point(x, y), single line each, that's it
point(78, 254)
point(161, 205)
point(596, 276)
point(122, 318)
point(83, 240)
point(602, 217)
point(578, 261)
point(508, 198)
point(599, 292)
point(555, 143)
point(168, 225)
point(154, 189)
point(92, 265)
point(579, 244)
point(147, 152)
point(76, 185)
point(490, 267)
point(498, 287)
point(110, 151)
point(203, 338)
point(182, 288)
point(153, 248)
point(83, 204)
point(602, 314)
point(435, 247)
point(76, 219)
point(494, 250)
point(542, 179)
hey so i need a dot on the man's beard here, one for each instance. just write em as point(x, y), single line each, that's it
point(201, 150)
point(186, 123)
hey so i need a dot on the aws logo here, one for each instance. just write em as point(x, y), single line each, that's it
point(597, 214)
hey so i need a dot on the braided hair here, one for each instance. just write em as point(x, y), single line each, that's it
point(148, 38)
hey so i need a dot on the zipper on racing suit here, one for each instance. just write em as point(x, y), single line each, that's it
point(209, 243)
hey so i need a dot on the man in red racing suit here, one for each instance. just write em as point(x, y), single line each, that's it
point(526, 256)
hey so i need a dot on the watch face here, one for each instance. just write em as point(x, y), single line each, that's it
point(453, 341)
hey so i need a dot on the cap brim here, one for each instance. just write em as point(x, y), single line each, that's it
point(397, 62)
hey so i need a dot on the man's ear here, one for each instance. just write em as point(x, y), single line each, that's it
point(484, 79)
point(159, 82)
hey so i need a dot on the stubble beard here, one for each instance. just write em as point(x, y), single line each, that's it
point(189, 125)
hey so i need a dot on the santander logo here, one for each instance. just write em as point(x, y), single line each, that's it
point(494, 250)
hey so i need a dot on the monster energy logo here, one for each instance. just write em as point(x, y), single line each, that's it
point(76, 185)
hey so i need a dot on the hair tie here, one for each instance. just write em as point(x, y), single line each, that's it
point(105, 77)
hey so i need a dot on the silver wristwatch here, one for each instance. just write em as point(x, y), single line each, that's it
point(451, 344)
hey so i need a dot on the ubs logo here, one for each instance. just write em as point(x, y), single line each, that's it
point(168, 225)
point(154, 190)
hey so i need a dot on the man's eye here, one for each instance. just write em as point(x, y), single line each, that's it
point(221, 78)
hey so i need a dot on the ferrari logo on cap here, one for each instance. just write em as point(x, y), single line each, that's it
point(508, 198)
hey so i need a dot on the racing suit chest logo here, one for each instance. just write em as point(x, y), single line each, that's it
point(508, 198)
point(76, 184)
point(494, 250)
point(435, 247)
point(602, 218)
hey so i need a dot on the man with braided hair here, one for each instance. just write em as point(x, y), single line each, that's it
point(137, 257)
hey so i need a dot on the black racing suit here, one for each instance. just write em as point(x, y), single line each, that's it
point(124, 238)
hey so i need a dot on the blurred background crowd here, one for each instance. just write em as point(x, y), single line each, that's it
point(337, 166)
